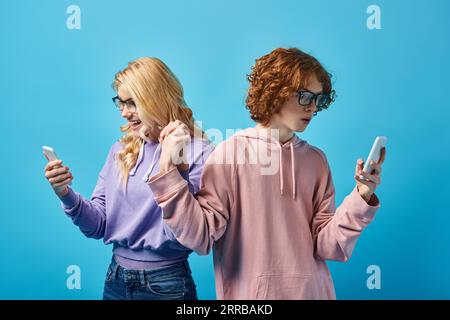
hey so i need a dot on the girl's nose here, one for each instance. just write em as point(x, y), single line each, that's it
point(125, 112)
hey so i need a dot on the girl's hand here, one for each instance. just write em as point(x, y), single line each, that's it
point(173, 138)
point(367, 188)
point(59, 177)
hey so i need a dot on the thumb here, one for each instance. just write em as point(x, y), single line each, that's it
point(359, 165)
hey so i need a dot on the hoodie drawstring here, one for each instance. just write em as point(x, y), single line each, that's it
point(292, 169)
point(149, 171)
point(139, 160)
point(141, 157)
point(281, 168)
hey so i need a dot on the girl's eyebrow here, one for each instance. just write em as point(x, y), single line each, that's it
point(125, 100)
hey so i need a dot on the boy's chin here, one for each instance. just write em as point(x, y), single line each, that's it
point(299, 128)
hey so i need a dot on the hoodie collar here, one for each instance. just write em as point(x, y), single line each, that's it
point(267, 135)
point(141, 158)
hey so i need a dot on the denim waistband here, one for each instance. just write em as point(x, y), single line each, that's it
point(143, 276)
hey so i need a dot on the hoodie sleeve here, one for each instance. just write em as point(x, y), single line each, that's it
point(196, 221)
point(200, 152)
point(198, 159)
point(89, 215)
point(335, 231)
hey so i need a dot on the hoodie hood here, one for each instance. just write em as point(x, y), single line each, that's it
point(271, 139)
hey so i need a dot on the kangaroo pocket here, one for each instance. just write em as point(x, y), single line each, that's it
point(293, 286)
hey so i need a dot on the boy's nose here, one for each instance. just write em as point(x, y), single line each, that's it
point(312, 107)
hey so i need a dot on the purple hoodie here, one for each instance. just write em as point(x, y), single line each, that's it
point(132, 220)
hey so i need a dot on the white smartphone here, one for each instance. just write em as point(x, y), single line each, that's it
point(375, 154)
point(49, 153)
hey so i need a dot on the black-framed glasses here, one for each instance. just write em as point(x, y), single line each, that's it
point(322, 100)
point(120, 104)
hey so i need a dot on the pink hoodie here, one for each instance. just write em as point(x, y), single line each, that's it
point(271, 230)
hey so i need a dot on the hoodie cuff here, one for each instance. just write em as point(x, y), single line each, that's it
point(360, 208)
point(166, 184)
point(70, 200)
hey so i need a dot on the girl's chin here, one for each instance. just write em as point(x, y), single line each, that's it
point(136, 128)
point(136, 131)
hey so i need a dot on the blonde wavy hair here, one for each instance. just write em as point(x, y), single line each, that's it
point(159, 99)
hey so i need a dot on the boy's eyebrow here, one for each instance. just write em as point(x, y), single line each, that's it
point(305, 89)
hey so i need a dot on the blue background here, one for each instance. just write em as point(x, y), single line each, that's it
point(56, 90)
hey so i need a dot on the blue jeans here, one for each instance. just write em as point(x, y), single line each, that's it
point(173, 282)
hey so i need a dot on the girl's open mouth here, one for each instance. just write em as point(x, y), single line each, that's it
point(135, 123)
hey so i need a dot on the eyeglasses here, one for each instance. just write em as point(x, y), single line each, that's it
point(322, 100)
point(120, 104)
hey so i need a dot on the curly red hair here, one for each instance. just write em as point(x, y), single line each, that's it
point(277, 75)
